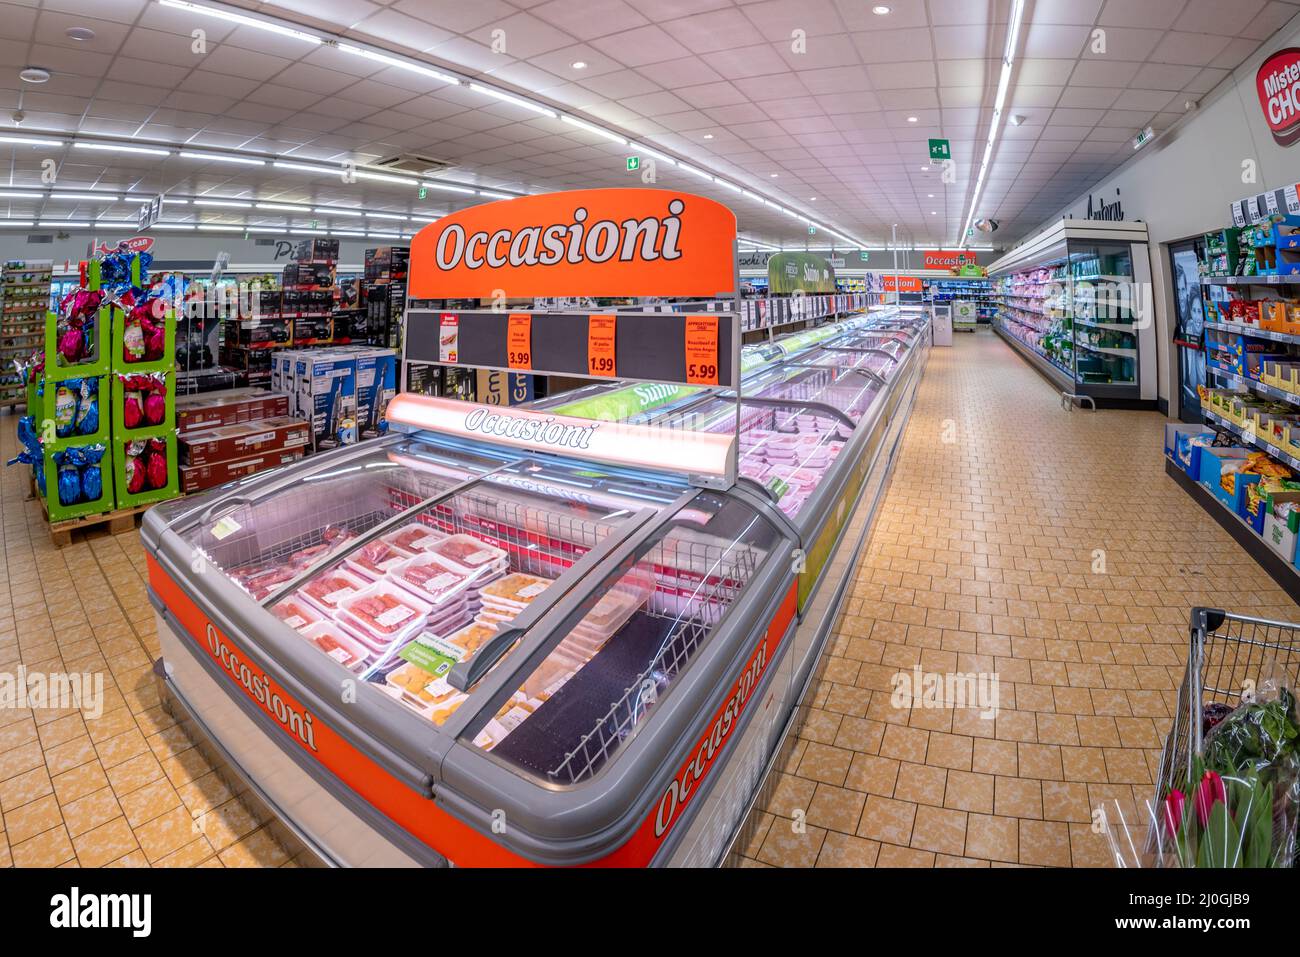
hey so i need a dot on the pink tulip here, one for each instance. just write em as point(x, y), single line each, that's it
point(1210, 792)
point(1175, 801)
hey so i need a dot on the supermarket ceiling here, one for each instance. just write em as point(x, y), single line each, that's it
point(823, 108)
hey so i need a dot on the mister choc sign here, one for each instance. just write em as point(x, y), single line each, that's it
point(1278, 84)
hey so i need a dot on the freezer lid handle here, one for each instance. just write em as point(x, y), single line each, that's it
point(465, 674)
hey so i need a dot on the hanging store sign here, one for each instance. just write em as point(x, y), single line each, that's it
point(1278, 85)
point(799, 272)
point(946, 258)
point(903, 284)
point(699, 453)
point(598, 242)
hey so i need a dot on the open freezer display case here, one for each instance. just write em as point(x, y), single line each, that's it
point(439, 648)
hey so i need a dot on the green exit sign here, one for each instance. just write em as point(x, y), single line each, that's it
point(864, 255)
point(940, 150)
point(633, 164)
point(812, 230)
point(424, 192)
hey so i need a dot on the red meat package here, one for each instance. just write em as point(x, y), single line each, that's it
point(375, 559)
point(383, 613)
point(328, 588)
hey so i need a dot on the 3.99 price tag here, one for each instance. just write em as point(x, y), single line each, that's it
point(702, 350)
point(600, 345)
point(519, 341)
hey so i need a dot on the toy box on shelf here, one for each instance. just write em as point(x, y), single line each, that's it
point(1223, 252)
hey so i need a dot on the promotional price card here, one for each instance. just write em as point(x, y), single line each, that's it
point(519, 341)
point(600, 345)
point(702, 350)
point(448, 338)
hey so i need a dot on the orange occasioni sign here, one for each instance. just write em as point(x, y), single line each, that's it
point(594, 242)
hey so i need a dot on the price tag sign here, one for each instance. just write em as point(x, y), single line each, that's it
point(519, 341)
point(448, 337)
point(600, 346)
point(1238, 215)
point(1252, 208)
point(1270, 203)
point(702, 350)
point(1292, 197)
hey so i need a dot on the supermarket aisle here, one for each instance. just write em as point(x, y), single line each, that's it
point(982, 560)
point(123, 788)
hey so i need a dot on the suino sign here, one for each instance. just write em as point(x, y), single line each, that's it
point(1278, 85)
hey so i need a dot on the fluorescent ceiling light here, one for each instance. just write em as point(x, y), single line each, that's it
point(731, 186)
point(655, 153)
point(592, 128)
point(698, 172)
point(218, 158)
point(101, 221)
point(30, 140)
point(384, 216)
point(304, 167)
point(385, 235)
point(510, 98)
point(401, 64)
point(254, 22)
point(449, 188)
point(221, 226)
point(21, 195)
point(345, 232)
point(62, 223)
point(387, 178)
point(492, 194)
point(285, 207)
point(175, 202)
point(227, 203)
point(336, 211)
point(172, 226)
point(116, 148)
point(15, 222)
point(264, 229)
point(92, 197)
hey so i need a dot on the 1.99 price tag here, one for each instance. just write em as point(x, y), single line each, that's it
point(601, 332)
point(702, 350)
point(519, 341)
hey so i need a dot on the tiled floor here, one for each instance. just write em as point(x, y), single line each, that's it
point(1047, 547)
point(981, 561)
point(122, 789)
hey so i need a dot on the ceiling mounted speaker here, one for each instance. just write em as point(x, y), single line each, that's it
point(34, 74)
point(986, 225)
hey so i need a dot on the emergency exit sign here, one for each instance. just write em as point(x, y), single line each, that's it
point(633, 164)
point(940, 150)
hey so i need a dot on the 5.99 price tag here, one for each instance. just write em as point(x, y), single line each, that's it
point(702, 350)
point(519, 341)
point(600, 345)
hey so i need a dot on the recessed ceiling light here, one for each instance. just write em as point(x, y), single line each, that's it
point(83, 34)
point(913, 119)
point(925, 169)
point(933, 213)
point(812, 199)
point(579, 64)
point(880, 10)
point(775, 175)
point(34, 74)
point(708, 136)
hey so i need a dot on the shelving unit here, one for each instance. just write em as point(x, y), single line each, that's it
point(1066, 300)
point(978, 292)
point(24, 301)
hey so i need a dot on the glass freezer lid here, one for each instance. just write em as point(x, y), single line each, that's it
point(874, 362)
point(849, 390)
point(625, 644)
point(402, 607)
point(264, 538)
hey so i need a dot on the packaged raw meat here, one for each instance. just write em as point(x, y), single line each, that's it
point(470, 553)
point(414, 538)
point(330, 587)
point(432, 578)
point(337, 644)
point(515, 590)
point(383, 614)
point(260, 580)
point(375, 559)
point(295, 613)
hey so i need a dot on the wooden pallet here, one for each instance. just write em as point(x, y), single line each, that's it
point(118, 521)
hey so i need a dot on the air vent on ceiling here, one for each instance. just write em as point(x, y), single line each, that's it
point(44, 239)
point(413, 163)
point(262, 241)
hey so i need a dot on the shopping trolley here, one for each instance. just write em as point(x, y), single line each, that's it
point(1228, 655)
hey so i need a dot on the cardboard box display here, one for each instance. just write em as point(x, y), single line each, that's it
point(194, 413)
point(244, 439)
point(196, 478)
point(326, 388)
point(375, 387)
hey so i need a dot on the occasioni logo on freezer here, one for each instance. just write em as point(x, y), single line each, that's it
point(1278, 84)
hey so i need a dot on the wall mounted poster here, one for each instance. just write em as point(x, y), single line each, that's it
point(800, 272)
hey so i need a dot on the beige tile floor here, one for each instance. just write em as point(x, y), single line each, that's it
point(122, 789)
point(982, 560)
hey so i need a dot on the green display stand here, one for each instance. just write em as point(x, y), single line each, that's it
point(168, 424)
point(58, 512)
point(55, 370)
point(42, 409)
point(118, 356)
point(126, 499)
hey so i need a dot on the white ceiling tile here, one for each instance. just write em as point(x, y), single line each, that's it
point(819, 52)
point(641, 46)
point(1050, 40)
point(1157, 14)
point(889, 46)
point(588, 19)
point(1066, 11)
point(710, 32)
point(1164, 76)
point(1207, 16)
point(1049, 72)
point(1274, 16)
point(1131, 43)
point(896, 76)
point(1090, 97)
point(1194, 49)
